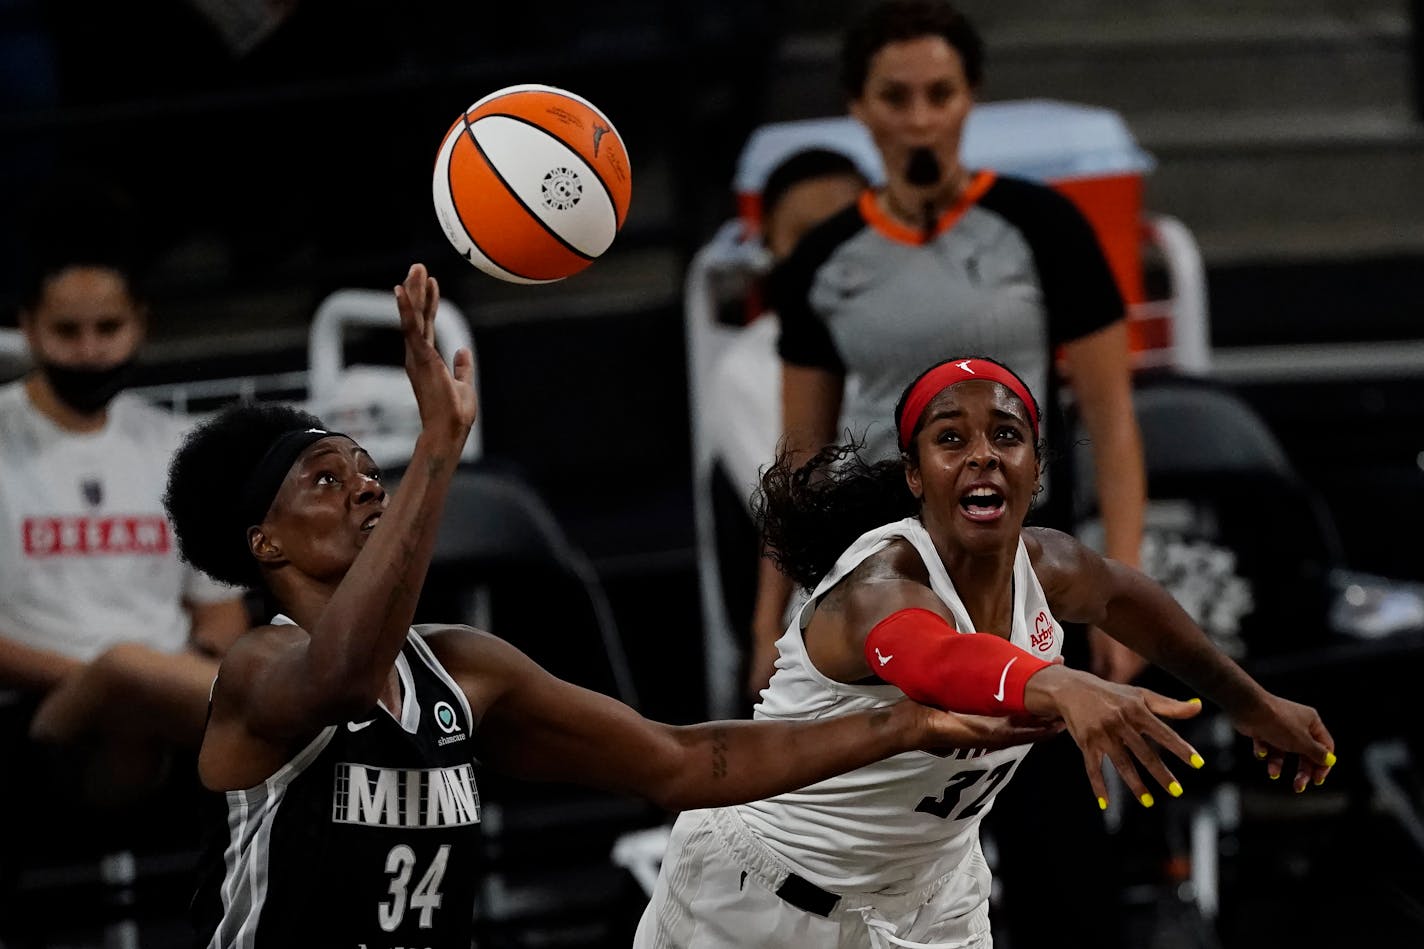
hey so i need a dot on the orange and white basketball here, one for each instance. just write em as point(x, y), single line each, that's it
point(531, 184)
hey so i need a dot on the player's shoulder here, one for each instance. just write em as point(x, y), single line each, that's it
point(1048, 544)
point(1058, 559)
point(897, 562)
point(464, 649)
point(261, 644)
point(899, 559)
point(252, 653)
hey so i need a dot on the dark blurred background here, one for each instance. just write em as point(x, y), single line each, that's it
point(280, 151)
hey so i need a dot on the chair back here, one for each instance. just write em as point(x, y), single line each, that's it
point(1240, 539)
point(503, 562)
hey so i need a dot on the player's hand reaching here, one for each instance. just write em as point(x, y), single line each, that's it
point(446, 398)
point(950, 731)
point(1278, 727)
point(1117, 722)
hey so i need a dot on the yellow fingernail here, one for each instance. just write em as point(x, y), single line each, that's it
point(1146, 800)
point(1329, 759)
point(1197, 760)
point(1320, 780)
point(1273, 777)
point(1260, 754)
point(1194, 701)
point(1102, 803)
point(1174, 789)
point(1300, 789)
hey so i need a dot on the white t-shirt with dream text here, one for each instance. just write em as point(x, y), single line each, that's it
point(87, 556)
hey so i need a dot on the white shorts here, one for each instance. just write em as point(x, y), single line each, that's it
point(718, 890)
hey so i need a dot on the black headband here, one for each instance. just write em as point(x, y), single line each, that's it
point(261, 486)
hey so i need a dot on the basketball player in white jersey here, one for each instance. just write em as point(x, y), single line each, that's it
point(948, 599)
point(342, 740)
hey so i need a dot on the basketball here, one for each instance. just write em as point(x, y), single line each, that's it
point(531, 184)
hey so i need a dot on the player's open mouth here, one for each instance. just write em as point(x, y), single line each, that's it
point(370, 522)
point(982, 504)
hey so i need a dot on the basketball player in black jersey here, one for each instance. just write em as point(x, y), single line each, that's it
point(342, 740)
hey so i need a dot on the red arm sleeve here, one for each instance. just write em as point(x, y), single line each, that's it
point(975, 673)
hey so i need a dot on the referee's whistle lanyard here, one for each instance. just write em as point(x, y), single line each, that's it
point(882, 934)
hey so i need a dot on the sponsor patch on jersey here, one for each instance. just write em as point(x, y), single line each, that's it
point(405, 797)
point(1042, 636)
point(448, 722)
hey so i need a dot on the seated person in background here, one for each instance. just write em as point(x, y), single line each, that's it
point(103, 629)
point(803, 190)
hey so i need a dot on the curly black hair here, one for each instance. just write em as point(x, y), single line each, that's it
point(809, 514)
point(223, 450)
point(895, 21)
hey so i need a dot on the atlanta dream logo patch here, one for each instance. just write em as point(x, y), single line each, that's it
point(1042, 635)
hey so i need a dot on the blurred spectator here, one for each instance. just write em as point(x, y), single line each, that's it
point(803, 190)
point(103, 631)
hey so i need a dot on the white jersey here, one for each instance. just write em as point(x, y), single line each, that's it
point(87, 556)
point(895, 825)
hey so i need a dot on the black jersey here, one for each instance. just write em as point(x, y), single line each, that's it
point(366, 839)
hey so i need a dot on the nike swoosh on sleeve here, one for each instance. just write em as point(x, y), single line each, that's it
point(1003, 677)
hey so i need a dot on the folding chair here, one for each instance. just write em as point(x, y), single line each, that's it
point(74, 872)
point(370, 402)
point(1250, 550)
point(373, 403)
point(499, 539)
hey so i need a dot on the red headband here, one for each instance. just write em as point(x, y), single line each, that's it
point(946, 374)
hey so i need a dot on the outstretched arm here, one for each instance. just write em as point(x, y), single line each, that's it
point(884, 620)
point(538, 727)
point(1084, 587)
point(278, 686)
point(340, 668)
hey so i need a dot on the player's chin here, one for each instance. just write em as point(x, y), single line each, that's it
point(983, 537)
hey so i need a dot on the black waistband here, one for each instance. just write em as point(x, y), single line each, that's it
point(807, 896)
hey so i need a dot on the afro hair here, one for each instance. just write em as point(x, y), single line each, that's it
point(223, 450)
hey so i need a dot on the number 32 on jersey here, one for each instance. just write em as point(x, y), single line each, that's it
point(943, 806)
